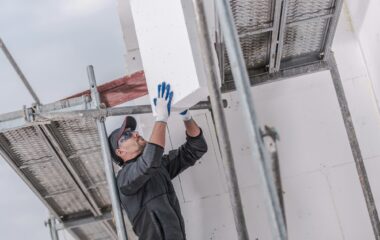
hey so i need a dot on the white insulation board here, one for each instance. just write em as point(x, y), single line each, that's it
point(170, 50)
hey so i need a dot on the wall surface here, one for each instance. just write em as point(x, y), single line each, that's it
point(322, 193)
point(364, 18)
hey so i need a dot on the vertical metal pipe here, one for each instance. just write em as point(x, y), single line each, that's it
point(333, 23)
point(220, 120)
point(355, 148)
point(19, 72)
point(52, 228)
point(271, 134)
point(275, 31)
point(281, 34)
point(118, 214)
point(251, 125)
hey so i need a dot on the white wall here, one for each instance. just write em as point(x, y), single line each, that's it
point(365, 18)
point(323, 197)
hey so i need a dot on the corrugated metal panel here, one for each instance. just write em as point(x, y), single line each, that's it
point(30, 152)
point(79, 140)
point(303, 9)
point(250, 15)
point(255, 49)
point(303, 37)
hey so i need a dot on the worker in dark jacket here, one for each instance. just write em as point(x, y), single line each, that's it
point(144, 182)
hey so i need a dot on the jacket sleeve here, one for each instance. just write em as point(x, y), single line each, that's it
point(186, 155)
point(134, 175)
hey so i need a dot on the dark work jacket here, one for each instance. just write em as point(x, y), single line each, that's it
point(147, 193)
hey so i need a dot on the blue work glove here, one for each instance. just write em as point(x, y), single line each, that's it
point(186, 116)
point(163, 102)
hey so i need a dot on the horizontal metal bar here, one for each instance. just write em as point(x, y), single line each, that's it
point(84, 221)
point(289, 24)
point(35, 162)
point(76, 102)
point(256, 31)
point(81, 152)
point(11, 116)
point(55, 106)
point(310, 19)
point(54, 194)
point(107, 112)
point(98, 184)
point(282, 74)
point(21, 118)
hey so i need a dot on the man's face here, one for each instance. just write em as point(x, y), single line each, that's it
point(131, 147)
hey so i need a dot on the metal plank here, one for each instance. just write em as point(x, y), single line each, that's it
point(7, 157)
point(52, 143)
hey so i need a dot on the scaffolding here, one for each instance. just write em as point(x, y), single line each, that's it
point(61, 151)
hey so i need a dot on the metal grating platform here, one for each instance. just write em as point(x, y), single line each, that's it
point(282, 34)
point(49, 156)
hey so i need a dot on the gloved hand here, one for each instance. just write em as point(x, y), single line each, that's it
point(186, 116)
point(163, 102)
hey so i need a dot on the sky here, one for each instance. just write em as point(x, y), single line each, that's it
point(52, 42)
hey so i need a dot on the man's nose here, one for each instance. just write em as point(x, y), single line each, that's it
point(135, 134)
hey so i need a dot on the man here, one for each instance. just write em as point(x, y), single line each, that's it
point(144, 182)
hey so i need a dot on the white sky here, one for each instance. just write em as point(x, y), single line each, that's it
point(53, 42)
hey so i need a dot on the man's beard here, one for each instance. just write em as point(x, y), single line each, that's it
point(141, 146)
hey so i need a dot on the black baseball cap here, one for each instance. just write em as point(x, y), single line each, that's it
point(129, 124)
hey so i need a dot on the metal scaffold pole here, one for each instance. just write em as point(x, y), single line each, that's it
point(355, 148)
point(251, 125)
point(52, 228)
point(118, 214)
point(220, 121)
point(18, 71)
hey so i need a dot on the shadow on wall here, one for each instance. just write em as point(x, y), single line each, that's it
point(356, 12)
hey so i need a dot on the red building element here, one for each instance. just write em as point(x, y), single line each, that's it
point(120, 90)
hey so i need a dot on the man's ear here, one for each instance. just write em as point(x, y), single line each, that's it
point(118, 152)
